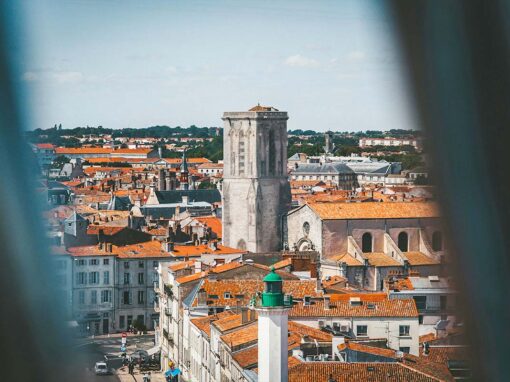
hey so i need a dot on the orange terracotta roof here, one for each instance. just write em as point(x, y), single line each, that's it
point(211, 165)
point(333, 280)
point(368, 297)
point(348, 259)
point(190, 278)
point(135, 251)
point(248, 334)
point(232, 322)
point(212, 222)
point(107, 160)
point(204, 323)
point(419, 258)
point(248, 357)
point(107, 230)
point(225, 267)
point(358, 347)
point(385, 308)
point(202, 249)
point(379, 259)
point(181, 265)
point(427, 338)
point(349, 372)
point(375, 210)
point(132, 151)
point(82, 150)
point(189, 160)
point(46, 146)
point(158, 232)
point(241, 291)
point(262, 108)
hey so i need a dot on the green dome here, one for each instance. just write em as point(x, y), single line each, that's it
point(272, 276)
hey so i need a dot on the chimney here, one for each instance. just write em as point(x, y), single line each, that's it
point(244, 316)
point(327, 300)
point(318, 286)
point(168, 246)
point(213, 245)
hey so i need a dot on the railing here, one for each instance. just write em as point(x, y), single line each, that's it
point(168, 312)
point(156, 287)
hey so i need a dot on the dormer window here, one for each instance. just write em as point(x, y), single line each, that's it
point(227, 295)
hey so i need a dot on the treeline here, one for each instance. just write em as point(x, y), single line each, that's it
point(58, 136)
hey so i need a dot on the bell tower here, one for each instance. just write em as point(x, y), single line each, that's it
point(256, 191)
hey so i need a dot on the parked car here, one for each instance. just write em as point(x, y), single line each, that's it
point(101, 368)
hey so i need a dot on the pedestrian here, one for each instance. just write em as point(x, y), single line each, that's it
point(145, 377)
point(149, 377)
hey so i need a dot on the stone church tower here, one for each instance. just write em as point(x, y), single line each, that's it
point(256, 191)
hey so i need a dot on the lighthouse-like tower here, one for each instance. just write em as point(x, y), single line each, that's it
point(273, 331)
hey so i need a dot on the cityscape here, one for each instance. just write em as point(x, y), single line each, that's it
point(242, 192)
point(259, 266)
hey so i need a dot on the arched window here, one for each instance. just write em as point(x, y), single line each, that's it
point(437, 241)
point(403, 241)
point(366, 242)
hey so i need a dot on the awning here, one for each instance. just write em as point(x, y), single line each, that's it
point(154, 350)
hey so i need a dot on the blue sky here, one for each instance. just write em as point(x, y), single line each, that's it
point(330, 64)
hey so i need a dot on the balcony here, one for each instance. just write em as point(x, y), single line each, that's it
point(156, 287)
point(168, 312)
point(168, 290)
point(156, 306)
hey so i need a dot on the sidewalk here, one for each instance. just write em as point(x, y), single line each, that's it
point(122, 373)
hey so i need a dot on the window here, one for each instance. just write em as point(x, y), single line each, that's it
point(126, 298)
point(81, 278)
point(362, 330)
point(442, 302)
point(106, 296)
point(141, 296)
point(404, 349)
point(122, 321)
point(420, 319)
point(366, 242)
point(140, 278)
point(140, 264)
point(126, 265)
point(437, 241)
point(421, 302)
point(93, 262)
point(154, 264)
point(93, 277)
point(106, 261)
point(93, 297)
point(81, 297)
point(127, 278)
point(81, 262)
point(227, 295)
point(106, 277)
point(403, 244)
point(403, 330)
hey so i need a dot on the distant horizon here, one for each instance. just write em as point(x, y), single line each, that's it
point(331, 65)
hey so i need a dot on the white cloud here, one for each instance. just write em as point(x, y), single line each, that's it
point(29, 76)
point(67, 76)
point(301, 61)
point(356, 55)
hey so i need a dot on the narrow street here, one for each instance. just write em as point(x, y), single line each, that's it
point(80, 360)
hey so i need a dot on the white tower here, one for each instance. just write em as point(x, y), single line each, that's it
point(273, 331)
point(256, 192)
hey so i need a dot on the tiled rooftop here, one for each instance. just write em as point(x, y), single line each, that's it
point(375, 210)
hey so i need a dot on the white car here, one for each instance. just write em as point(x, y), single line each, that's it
point(101, 368)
